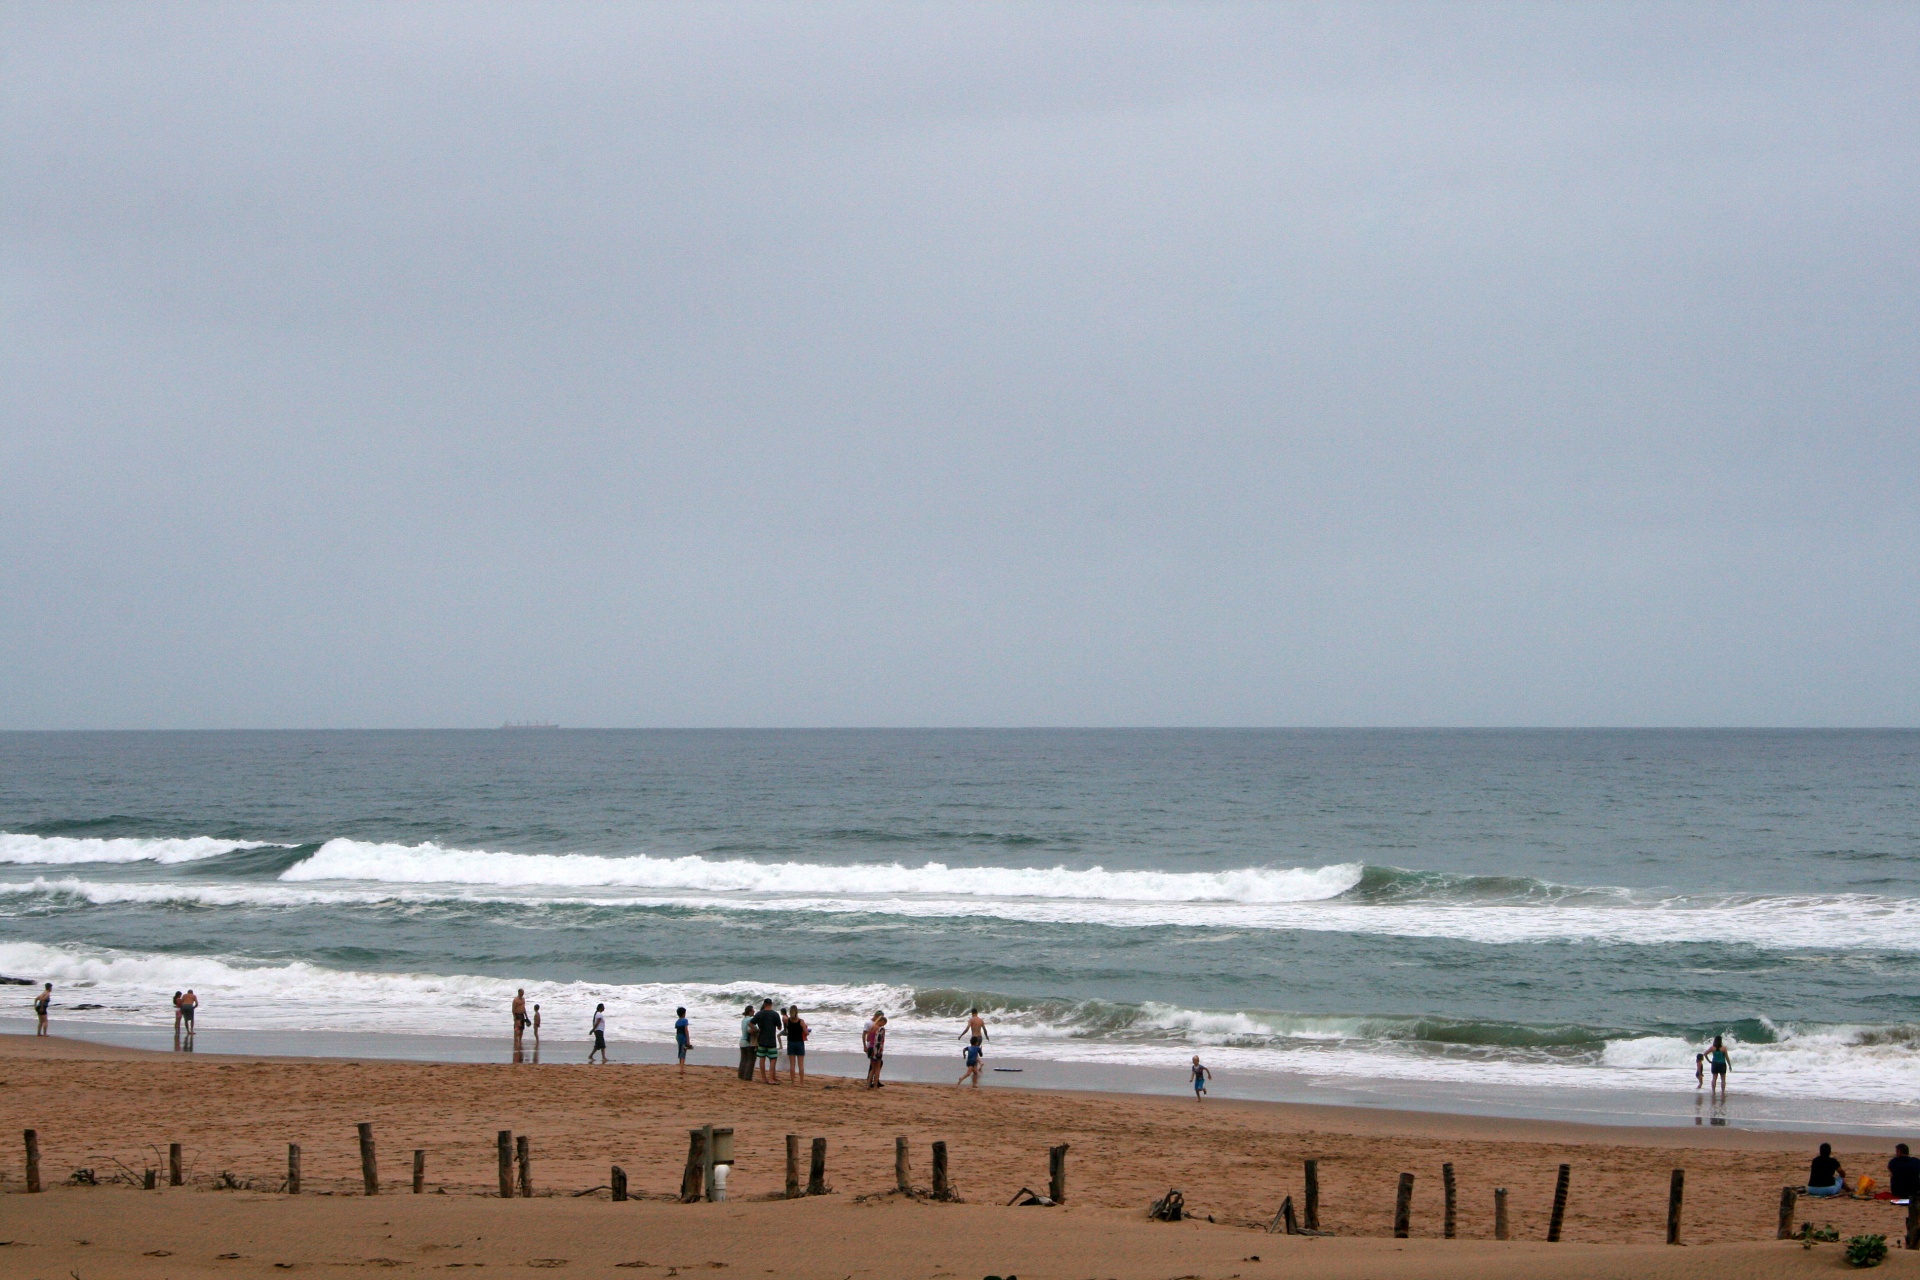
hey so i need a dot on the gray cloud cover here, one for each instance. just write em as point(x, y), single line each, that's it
point(958, 364)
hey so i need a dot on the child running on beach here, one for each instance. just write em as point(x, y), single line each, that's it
point(1200, 1077)
point(682, 1036)
point(970, 1057)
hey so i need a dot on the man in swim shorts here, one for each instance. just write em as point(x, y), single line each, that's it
point(682, 1036)
point(766, 1027)
point(976, 1028)
point(519, 1015)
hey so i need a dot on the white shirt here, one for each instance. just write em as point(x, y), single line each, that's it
point(600, 1022)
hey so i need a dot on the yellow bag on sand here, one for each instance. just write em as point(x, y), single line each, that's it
point(1863, 1190)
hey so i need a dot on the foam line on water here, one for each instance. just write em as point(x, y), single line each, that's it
point(432, 864)
point(34, 850)
point(1847, 922)
point(1866, 1064)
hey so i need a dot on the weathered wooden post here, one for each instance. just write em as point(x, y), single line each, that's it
point(1313, 1196)
point(1057, 1173)
point(1559, 1203)
point(505, 1141)
point(817, 1169)
point(693, 1179)
point(419, 1170)
point(617, 1183)
point(32, 1137)
point(523, 1150)
point(1675, 1190)
point(707, 1160)
point(941, 1189)
point(1499, 1213)
point(1788, 1197)
point(293, 1168)
point(1913, 1222)
point(173, 1164)
point(900, 1167)
point(1446, 1181)
point(1403, 1207)
point(793, 1166)
point(150, 1179)
point(369, 1168)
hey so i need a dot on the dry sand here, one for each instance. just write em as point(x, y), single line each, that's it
point(114, 1110)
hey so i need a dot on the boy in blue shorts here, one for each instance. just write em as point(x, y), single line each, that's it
point(682, 1036)
point(971, 1057)
point(1200, 1077)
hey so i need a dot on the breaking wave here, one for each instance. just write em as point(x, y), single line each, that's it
point(56, 851)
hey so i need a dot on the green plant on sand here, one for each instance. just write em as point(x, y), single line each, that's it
point(1866, 1251)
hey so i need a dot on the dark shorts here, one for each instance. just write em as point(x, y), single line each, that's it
point(683, 1046)
point(1720, 1069)
point(795, 1049)
point(599, 1039)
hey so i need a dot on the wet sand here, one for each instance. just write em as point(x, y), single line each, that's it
point(114, 1110)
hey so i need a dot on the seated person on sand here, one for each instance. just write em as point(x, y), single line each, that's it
point(1903, 1174)
point(1826, 1177)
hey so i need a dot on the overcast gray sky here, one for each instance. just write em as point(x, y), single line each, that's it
point(393, 365)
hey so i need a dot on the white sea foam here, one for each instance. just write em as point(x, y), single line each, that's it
point(1832, 1062)
point(1835, 923)
point(68, 850)
point(432, 864)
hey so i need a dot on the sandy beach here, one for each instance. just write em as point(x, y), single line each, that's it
point(114, 1110)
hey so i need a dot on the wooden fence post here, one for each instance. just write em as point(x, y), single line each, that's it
point(1313, 1196)
point(149, 1179)
point(419, 1170)
point(617, 1183)
point(942, 1190)
point(1500, 1213)
point(505, 1142)
point(1446, 1181)
point(1559, 1203)
point(693, 1180)
point(32, 1137)
point(1675, 1190)
point(293, 1168)
point(1913, 1222)
point(817, 1169)
point(793, 1166)
point(900, 1170)
point(369, 1167)
point(1403, 1207)
point(1057, 1173)
point(173, 1164)
point(1788, 1196)
point(707, 1161)
point(523, 1149)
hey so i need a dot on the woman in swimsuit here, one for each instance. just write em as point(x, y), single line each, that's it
point(1720, 1062)
point(796, 1029)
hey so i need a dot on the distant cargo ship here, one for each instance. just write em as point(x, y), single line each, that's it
point(528, 724)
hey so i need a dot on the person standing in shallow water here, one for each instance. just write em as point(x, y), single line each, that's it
point(42, 1003)
point(1720, 1063)
point(519, 1016)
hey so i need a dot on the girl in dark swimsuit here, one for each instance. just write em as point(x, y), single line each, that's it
point(796, 1029)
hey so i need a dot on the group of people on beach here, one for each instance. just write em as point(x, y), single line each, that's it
point(1826, 1178)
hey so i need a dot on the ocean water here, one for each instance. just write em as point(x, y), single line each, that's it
point(1536, 910)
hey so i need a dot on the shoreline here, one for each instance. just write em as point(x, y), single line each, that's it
point(1678, 1109)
